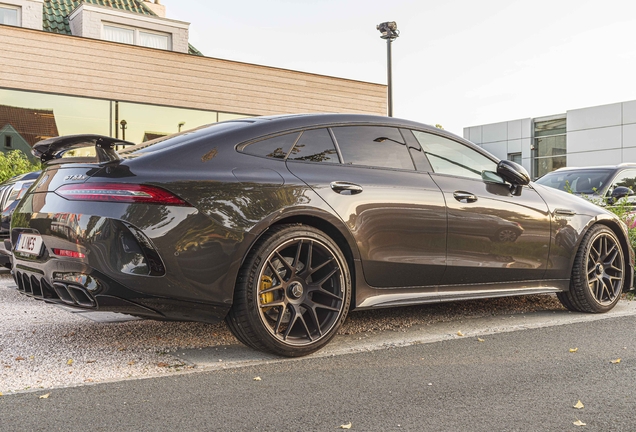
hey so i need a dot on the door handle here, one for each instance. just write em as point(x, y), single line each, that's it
point(345, 188)
point(464, 197)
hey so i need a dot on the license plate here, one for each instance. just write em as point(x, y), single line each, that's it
point(29, 244)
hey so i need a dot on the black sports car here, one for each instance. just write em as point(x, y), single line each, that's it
point(281, 225)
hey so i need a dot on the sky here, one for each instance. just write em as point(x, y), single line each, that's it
point(457, 63)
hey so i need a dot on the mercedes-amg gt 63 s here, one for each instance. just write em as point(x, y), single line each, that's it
point(282, 225)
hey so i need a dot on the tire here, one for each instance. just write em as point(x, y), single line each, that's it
point(293, 292)
point(598, 273)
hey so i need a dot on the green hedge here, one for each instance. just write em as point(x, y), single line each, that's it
point(14, 163)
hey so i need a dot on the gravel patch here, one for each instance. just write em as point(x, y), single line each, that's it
point(44, 346)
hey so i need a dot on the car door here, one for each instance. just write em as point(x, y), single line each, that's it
point(493, 235)
point(396, 214)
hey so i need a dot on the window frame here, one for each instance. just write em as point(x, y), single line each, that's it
point(136, 33)
point(18, 10)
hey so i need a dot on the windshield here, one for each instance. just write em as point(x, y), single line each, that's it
point(584, 181)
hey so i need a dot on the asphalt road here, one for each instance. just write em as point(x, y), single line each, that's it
point(519, 381)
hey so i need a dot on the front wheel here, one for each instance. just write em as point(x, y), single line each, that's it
point(598, 273)
point(293, 292)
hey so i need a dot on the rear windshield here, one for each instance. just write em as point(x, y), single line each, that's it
point(176, 139)
point(582, 181)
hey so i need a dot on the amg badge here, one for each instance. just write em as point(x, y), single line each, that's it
point(75, 177)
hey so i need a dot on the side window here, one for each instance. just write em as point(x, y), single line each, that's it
point(450, 157)
point(626, 178)
point(276, 147)
point(315, 146)
point(377, 146)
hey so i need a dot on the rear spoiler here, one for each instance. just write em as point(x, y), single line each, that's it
point(53, 148)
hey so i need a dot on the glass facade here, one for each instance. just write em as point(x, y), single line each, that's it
point(549, 150)
point(28, 117)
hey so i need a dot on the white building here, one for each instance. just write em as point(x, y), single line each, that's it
point(601, 135)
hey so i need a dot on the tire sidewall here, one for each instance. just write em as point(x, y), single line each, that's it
point(263, 249)
point(586, 248)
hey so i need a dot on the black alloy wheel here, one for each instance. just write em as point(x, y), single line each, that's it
point(598, 273)
point(293, 292)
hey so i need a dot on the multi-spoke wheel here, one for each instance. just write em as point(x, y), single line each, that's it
point(598, 273)
point(506, 235)
point(293, 292)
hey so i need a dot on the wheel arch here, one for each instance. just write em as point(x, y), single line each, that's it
point(628, 255)
point(327, 223)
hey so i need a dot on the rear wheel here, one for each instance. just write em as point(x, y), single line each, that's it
point(598, 273)
point(293, 292)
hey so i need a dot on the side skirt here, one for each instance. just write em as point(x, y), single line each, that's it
point(367, 297)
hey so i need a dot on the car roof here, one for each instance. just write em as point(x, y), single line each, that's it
point(279, 123)
point(607, 167)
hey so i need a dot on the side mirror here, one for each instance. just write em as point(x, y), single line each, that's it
point(620, 192)
point(514, 174)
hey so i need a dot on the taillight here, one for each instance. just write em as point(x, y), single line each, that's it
point(68, 253)
point(119, 192)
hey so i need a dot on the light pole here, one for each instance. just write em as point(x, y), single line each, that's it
point(124, 126)
point(181, 124)
point(390, 33)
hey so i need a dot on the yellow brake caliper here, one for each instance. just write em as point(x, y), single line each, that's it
point(266, 283)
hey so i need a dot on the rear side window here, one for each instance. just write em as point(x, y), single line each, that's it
point(315, 146)
point(276, 147)
point(377, 146)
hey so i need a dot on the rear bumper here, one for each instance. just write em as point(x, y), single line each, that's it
point(92, 291)
point(161, 262)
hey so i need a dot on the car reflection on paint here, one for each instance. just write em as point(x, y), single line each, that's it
point(281, 225)
point(11, 192)
point(496, 228)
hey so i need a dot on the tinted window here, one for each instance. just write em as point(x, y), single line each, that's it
point(315, 146)
point(276, 147)
point(585, 181)
point(450, 157)
point(374, 146)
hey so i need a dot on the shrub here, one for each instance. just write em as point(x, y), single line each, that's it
point(623, 208)
point(15, 163)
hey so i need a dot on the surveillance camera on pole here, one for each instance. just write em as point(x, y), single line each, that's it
point(389, 32)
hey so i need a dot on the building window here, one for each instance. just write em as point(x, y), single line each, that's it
point(153, 40)
point(119, 34)
point(549, 152)
point(9, 15)
point(135, 36)
point(515, 157)
point(8, 141)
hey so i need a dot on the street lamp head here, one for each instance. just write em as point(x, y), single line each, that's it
point(389, 30)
